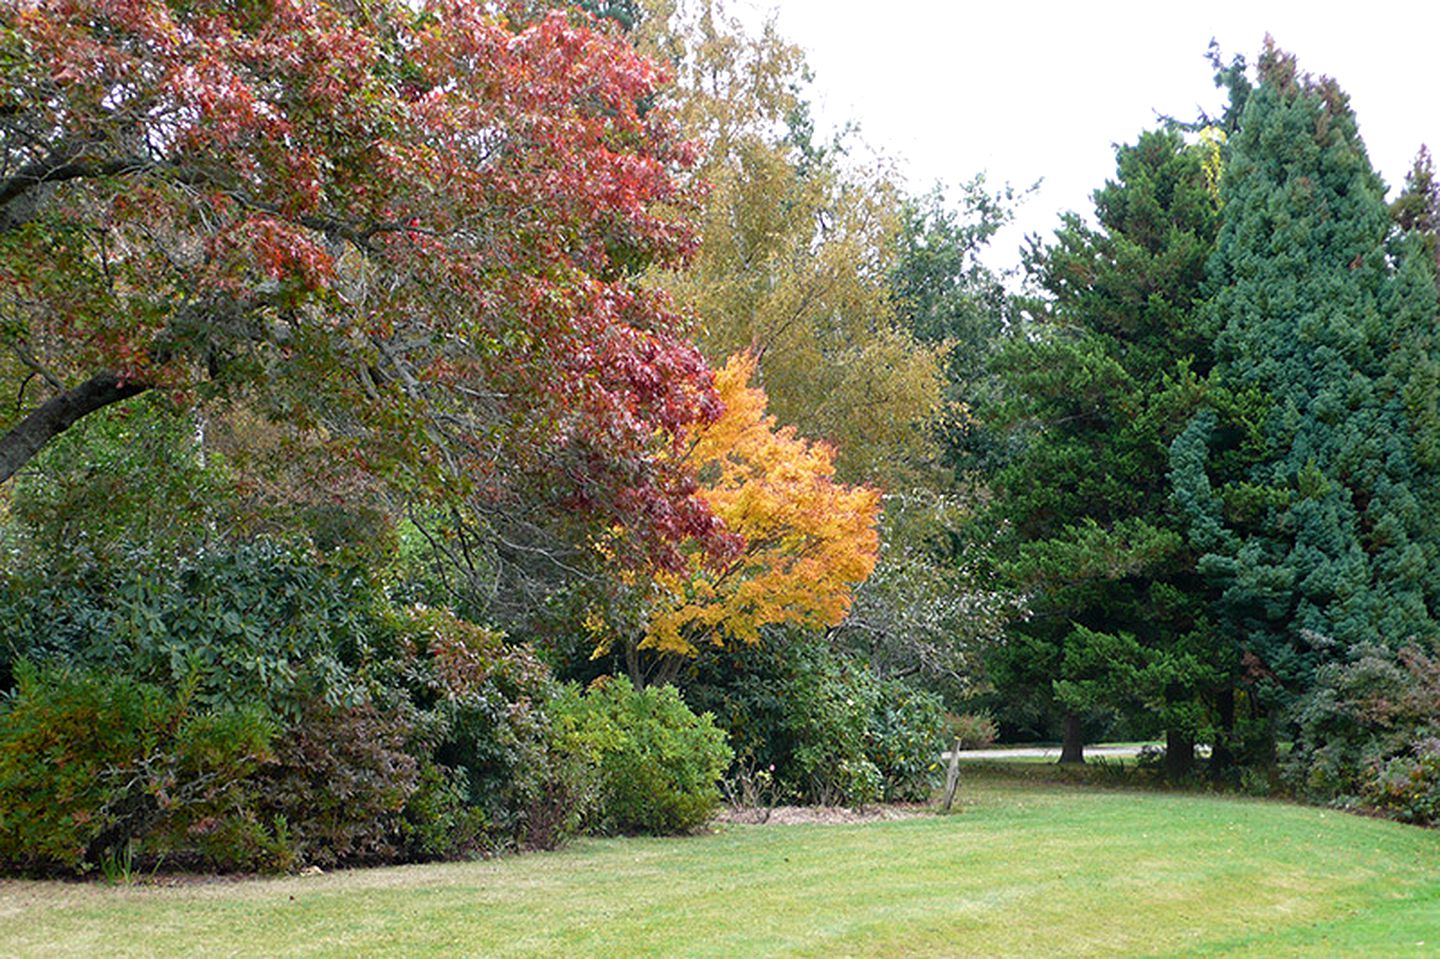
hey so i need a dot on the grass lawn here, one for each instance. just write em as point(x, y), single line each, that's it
point(1030, 868)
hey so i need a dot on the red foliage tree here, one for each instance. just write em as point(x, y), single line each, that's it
point(408, 228)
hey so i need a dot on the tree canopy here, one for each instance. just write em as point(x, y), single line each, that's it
point(409, 231)
point(803, 541)
point(1088, 393)
point(794, 260)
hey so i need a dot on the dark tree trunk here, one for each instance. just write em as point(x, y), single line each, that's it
point(668, 671)
point(650, 668)
point(57, 415)
point(1222, 756)
point(633, 666)
point(1073, 750)
point(1179, 754)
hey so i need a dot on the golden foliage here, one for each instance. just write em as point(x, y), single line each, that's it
point(808, 540)
point(1212, 143)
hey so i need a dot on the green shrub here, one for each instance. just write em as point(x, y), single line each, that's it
point(439, 822)
point(907, 730)
point(829, 706)
point(259, 622)
point(406, 734)
point(92, 764)
point(833, 733)
point(484, 711)
point(1367, 734)
point(659, 764)
point(796, 705)
point(1379, 706)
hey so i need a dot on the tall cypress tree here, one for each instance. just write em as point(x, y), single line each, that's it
point(1317, 505)
point(1417, 209)
point(1116, 622)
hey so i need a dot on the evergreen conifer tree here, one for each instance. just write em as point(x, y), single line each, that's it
point(1116, 614)
point(1311, 481)
point(1417, 208)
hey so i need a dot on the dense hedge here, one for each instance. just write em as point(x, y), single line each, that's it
point(263, 707)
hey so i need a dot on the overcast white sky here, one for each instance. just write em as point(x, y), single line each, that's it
point(1025, 90)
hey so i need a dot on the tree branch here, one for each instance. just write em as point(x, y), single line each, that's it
point(26, 438)
point(58, 169)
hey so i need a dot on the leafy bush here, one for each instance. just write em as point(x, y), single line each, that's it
point(388, 734)
point(906, 738)
point(1378, 705)
point(800, 708)
point(659, 763)
point(1407, 787)
point(829, 706)
point(485, 713)
point(260, 622)
point(832, 731)
point(1369, 734)
point(341, 780)
point(91, 763)
point(972, 730)
point(439, 822)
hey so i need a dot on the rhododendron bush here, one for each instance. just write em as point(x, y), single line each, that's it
point(406, 229)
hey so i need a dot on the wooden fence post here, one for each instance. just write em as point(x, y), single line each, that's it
point(952, 777)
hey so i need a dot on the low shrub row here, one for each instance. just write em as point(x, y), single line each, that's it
point(314, 724)
point(258, 707)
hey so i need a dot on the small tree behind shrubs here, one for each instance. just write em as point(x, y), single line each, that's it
point(258, 622)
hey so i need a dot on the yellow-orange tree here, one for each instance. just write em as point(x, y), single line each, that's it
point(802, 541)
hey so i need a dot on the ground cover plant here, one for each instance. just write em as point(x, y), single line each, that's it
point(1026, 869)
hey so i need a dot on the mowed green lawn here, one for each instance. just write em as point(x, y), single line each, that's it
point(1028, 869)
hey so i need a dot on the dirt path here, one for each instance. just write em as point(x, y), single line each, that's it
point(1046, 752)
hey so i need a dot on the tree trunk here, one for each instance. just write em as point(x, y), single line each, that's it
point(57, 415)
point(668, 670)
point(1073, 750)
point(1222, 756)
point(633, 666)
point(1179, 754)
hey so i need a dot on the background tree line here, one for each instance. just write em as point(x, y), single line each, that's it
point(1219, 504)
